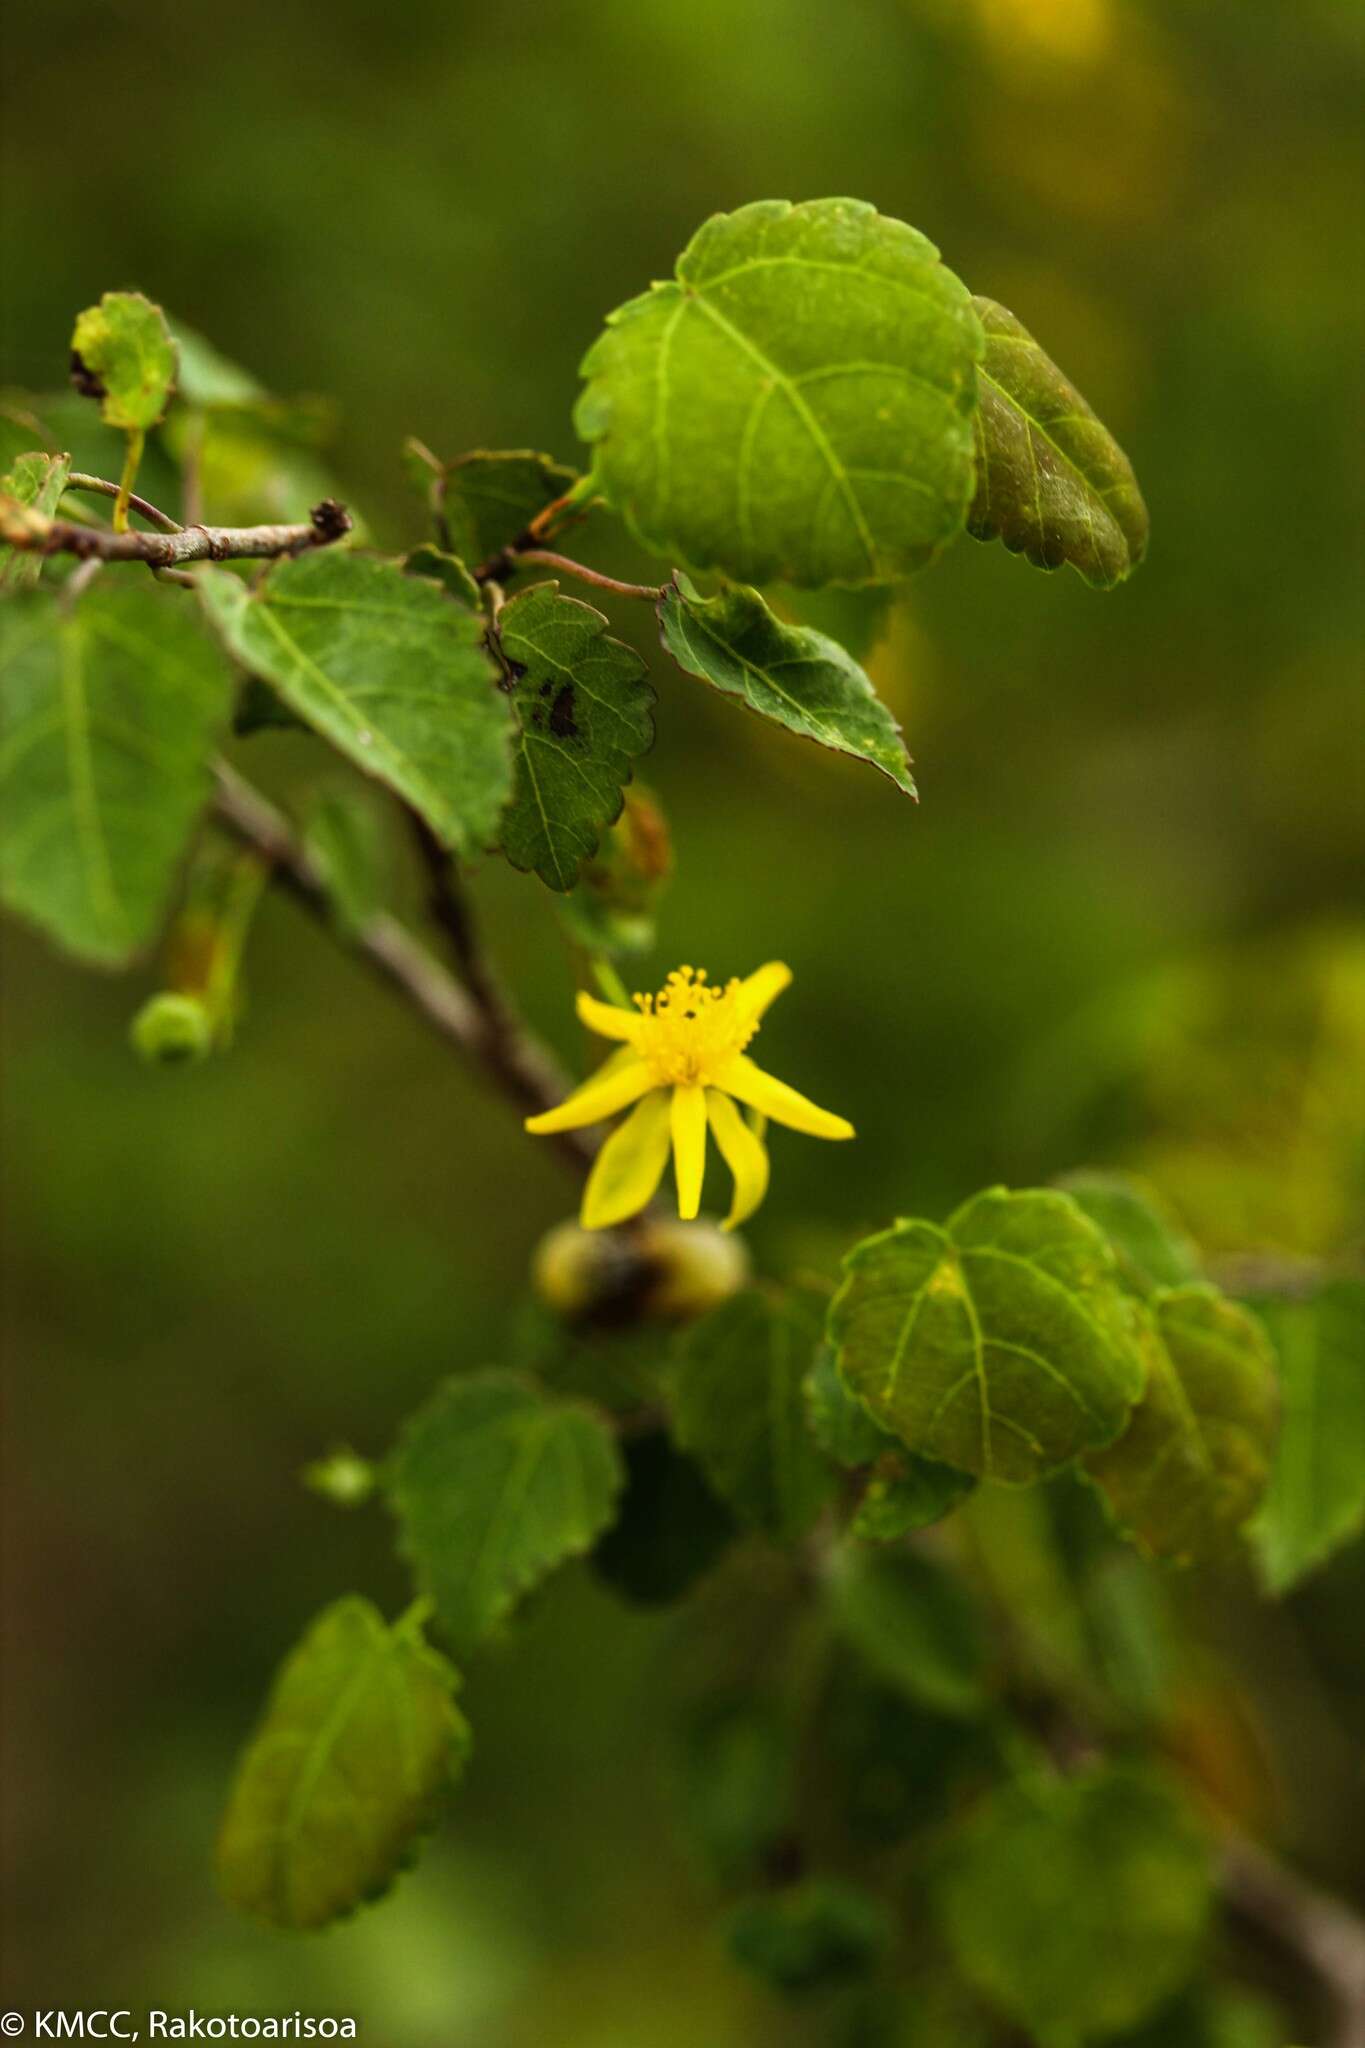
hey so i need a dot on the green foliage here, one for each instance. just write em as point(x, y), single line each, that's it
point(447, 570)
point(1316, 1497)
point(1145, 1236)
point(999, 1344)
point(734, 1782)
point(360, 1737)
point(1194, 1461)
point(487, 500)
point(346, 838)
point(738, 1407)
point(904, 1492)
point(915, 1625)
point(124, 354)
point(107, 713)
point(1078, 1905)
point(1052, 483)
point(388, 669)
point(809, 1936)
point(493, 1485)
point(791, 674)
point(583, 710)
point(796, 405)
point(669, 1529)
point(37, 481)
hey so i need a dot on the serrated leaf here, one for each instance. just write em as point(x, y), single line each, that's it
point(1078, 1905)
point(739, 1408)
point(494, 1485)
point(389, 670)
point(123, 352)
point(790, 674)
point(358, 1740)
point(796, 404)
point(36, 480)
point(809, 1936)
point(489, 498)
point(1151, 1247)
point(916, 1627)
point(1316, 1499)
point(1052, 482)
point(1194, 1460)
point(583, 712)
point(1000, 1344)
point(107, 714)
point(904, 1492)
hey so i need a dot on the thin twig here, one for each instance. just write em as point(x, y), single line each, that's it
point(650, 592)
point(1318, 1930)
point(477, 1018)
point(540, 528)
point(102, 487)
point(26, 529)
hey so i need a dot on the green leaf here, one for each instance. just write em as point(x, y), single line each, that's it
point(915, 1626)
point(123, 354)
point(1052, 483)
point(257, 460)
point(999, 1344)
point(346, 836)
point(35, 480)
point(1316, 1500)
point(822, 1932)
point(107, 714)
point(490, 497)
point(494, 1485)
point(447, 570)
point(1194, 1460)
point(796, 405)
point(1078, 1905)
point(207, 378)
point(904, 1492)
point(1147, 1239)
point(389, 670)
point(790, 674)
point(359, 1738)
point(738, 1407)
point(583, 709)
point(670, 1529)
point(894, 1766)
point(839, 1422)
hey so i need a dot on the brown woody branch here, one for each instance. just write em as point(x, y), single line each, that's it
point(23, 528)
point(475, 1015)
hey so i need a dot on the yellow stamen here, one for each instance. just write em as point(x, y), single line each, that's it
point(689, 1030)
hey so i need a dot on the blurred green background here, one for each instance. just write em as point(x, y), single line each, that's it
point(1121, 926)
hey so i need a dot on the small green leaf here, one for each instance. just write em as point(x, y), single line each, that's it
point(1194, 1460)
point(358, 1740)
point(670, 1529)
point(389, 670)
point(583, 712)
point(1078, 1905)
point(738, 1407)
point(796, 405)
point(915, 1626)
point(790, 674)
point(494, 1485)
point(36, 480)
point(490, 497)
point(123, 354)
point(107, 714)
point(904, 1492)
point(1316, 1500)
point(447, 570)
point(1151, 1247)
point(822, 1932)
point(1000, 1344)
point(1052, 483)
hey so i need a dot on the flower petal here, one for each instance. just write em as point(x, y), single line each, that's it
point(689, 1148)
point(743, 1152)
point(762, 988)
point(622, 1080)
point(747, 1083)
point(608, 1020)
point(630, 1165)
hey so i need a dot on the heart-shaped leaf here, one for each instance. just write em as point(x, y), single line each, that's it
point(1052, 482)
point(1000, 1344)
point(791, 674)
point(796, 404)
point(583, 708)
point(387, 668)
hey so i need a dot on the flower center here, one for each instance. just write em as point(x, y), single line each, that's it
point(691, 1029)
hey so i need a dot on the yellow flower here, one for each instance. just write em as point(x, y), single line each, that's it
point(683, 1066)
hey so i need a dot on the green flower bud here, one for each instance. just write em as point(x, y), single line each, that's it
point(172, 1030)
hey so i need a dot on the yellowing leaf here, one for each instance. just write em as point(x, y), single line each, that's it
point(795, 405)
point(123, 355)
